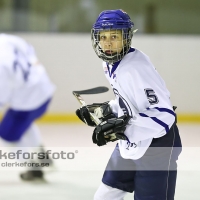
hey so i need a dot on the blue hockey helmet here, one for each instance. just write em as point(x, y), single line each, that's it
point(112, 20)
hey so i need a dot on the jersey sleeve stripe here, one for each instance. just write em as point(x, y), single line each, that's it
point(166, 110)
point(157, 121)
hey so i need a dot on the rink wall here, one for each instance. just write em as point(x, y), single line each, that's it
point(72, 65)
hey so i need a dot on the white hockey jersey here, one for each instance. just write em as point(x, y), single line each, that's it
point(141, 92)
point(24, 83)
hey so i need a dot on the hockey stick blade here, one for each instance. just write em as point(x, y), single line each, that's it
point(96, 90)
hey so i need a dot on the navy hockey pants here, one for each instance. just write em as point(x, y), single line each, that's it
point(15, 122)
point(152, 177)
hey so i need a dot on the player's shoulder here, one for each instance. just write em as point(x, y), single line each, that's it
point(136, 59)
point(134, 63)
point(9, 38)
point(136, 55)
point(14, 42)
point(6, 42)
point(7, 53)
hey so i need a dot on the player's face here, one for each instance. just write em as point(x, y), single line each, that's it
point(111, 41)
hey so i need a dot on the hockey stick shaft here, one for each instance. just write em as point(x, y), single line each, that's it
point(94, 118)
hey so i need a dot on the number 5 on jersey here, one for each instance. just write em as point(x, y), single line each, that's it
point(151, 96)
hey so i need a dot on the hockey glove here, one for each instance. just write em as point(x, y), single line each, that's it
point(101, 110)
point(110, 130)
point(84, 115)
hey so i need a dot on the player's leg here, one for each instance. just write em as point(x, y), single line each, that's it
point(32, 139)
point(106, 192)
point(157, 170)
point(25, 144)
point(15, 124)
point(118, 178)
point(150, 185)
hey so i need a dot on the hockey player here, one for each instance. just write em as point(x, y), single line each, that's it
point(26, 90)
point(144, 122)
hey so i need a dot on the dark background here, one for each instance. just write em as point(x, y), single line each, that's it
point(149, 16)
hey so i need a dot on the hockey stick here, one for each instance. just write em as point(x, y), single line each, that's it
point(96, 90)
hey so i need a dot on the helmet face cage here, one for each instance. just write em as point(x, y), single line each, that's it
point(119, 52)
point(118, 29)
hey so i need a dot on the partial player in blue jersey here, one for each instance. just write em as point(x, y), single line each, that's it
point(26, 91)
point(141, 117)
